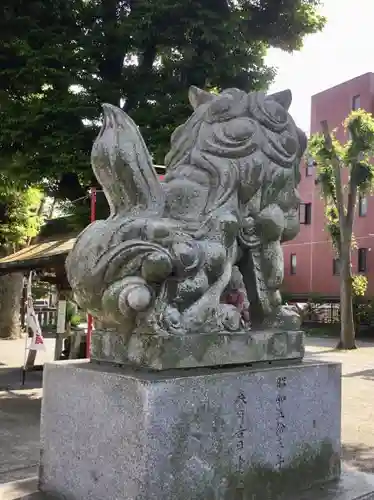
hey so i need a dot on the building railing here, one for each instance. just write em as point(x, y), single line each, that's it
point(47, 317)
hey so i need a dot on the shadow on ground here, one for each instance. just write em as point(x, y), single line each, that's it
point(331, 343)
point(11, 379)
point(27, 404)
point(359, 456)
point(365, 374)
point(19, 434)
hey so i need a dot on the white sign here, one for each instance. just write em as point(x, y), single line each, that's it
point(37, 342)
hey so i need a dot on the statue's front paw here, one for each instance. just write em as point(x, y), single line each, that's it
point(270, 222)
point(230, 317)
point(172, 320)
point(137, 299)
point(124, 299)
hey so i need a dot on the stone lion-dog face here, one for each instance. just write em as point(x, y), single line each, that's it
point(238, 150)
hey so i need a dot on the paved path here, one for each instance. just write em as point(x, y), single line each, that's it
point(20, 407)
point(19, 411)
point(358, 398)
point(12, 352)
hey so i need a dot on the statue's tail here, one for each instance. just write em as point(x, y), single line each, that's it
point(123, 166)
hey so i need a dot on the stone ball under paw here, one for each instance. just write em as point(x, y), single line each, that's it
point(137, 298)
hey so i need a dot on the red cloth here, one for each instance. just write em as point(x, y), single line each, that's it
point(236, 298)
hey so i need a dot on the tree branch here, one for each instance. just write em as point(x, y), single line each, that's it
point(337, 174)
point(352, 193)
point(351, 205)
point(146, 60)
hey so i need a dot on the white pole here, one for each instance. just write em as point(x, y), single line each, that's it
point(61, 327)
point(27, 318)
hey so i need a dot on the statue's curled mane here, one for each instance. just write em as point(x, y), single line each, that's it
point(166, 257)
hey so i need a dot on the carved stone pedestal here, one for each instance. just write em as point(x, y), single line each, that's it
point(224, 434)
point(353, 485)
point(196, 350)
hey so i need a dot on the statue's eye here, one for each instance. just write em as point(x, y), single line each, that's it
point(221, 105)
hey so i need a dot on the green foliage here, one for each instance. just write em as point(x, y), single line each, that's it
point(60, 59)
point(58, 227)
point(19, 217)
point(72, 315)
point(359, 285)
point(364, 311)
point(355, 155)
point(75, 320)
point(40, 289)
point(361, 127)
point(360, 148)
point(325, 170)
point(332, 225)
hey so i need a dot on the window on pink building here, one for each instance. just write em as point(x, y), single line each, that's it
point(356, 102)
point(362, 206)
point(362, 260)
point(293, 263)
point(336, 266)
point(305, 213)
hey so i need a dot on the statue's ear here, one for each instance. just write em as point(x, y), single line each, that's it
point(303, 140)
point(284, 98)
point(198, 96)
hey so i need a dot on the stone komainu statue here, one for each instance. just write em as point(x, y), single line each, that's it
point(171, 253)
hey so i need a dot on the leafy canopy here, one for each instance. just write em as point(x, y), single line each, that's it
point(354, 158)
point(60, 59)
point(355, 155)
point(19, 215)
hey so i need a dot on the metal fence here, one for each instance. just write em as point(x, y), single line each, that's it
point(327, 313)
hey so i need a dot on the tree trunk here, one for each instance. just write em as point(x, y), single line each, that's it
point(10, 305)
point(347, 326)
point(346, 217)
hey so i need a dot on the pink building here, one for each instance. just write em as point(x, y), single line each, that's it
point(310, 266)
